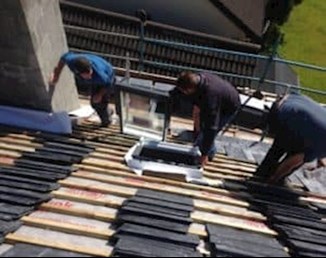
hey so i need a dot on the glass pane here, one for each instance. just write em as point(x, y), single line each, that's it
point(142, 116)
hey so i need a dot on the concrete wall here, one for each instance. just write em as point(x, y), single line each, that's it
point(31, 43)
point(198, 15)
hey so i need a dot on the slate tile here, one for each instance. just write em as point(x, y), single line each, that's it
point(68, 147)
point(150, 248)
point(153, 208)
point(239, 251)
point(27, 184)
point(307, 247)
point(46, 157)
point(15, 210)
point(173, 198)
point(8, 227)
point(157, 215)
point(235, 152)
point(159, 203)
point(313, 224)
point(33, 174)
point(22, 197)
point(153, 222)
point(66, 170)
point(191, 241)
point(216, 232)
point(25, 250)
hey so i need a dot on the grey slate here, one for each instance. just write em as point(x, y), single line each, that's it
point(153, 214)
point(22, 197)
point(28, 184)
point(150, 248)
point(216, 232)
point(8, 227)
point(32, 173)
point(154, 208)
point(235, 152)
point(25, 250)
point(153, 222)
point(173, 198)
point(191, 241)
point(159, 203)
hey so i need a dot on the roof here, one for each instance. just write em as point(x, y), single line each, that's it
point(84, 200)
point(243, 20)
point(90, 30)
point(249, 15)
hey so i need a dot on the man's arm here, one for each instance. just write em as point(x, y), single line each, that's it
point(321, 163)
point(291, 163)
point(196, 118)
point(55, 76)
point(271, 161)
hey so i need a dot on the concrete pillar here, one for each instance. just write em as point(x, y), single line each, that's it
point(31, 43)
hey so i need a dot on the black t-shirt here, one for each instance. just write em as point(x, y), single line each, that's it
point(218, 100)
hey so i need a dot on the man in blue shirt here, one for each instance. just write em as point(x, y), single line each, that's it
point(95, 72)
point(299, 126)
point(215, 102)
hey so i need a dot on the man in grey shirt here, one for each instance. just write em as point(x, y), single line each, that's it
point(299, 126)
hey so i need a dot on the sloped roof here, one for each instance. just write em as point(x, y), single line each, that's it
point(87, 28)
point(102, 208)
point(249, 15)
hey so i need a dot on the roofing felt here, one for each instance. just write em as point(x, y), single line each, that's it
point(102, 208)
point(90, 30)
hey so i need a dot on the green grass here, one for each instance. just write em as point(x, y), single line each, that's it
point(305, 41)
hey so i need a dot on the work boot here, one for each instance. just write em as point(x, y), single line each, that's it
point(107, 123)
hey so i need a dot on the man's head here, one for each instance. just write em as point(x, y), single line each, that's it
point(83, 68)
point(188, 82)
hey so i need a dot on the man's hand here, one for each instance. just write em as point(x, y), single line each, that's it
point(203, 160)
point(53, 80)
point(97, 98)
point(321, 163)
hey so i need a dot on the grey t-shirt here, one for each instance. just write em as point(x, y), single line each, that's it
point(303, 122)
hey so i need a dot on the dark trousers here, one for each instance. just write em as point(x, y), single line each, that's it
point(101, 108)
point(213, 149)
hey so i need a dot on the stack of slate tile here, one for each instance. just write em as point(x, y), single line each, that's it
point(155, 224)
point(300, 228)
point(230, 242)
point(29, 182)
point(240, 149)
point(25, 250)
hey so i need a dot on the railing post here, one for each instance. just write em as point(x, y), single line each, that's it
point(257, 93)
point(128, 64)
point(268, 65)
point(142, 15)
point(142, 47)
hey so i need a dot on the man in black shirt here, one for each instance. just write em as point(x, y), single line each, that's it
point(215, 102)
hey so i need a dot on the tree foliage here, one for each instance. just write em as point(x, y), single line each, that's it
point(277, 13)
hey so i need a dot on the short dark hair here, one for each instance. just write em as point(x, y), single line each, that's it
point(82, 65)
point(186, 80)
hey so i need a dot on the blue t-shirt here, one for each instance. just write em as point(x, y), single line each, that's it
point(304, 120)
point(103, 73)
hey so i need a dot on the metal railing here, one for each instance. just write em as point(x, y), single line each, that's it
point(269, 59)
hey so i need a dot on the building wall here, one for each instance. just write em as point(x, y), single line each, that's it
point(31, 44)
point(276, 72)
point(198, 15)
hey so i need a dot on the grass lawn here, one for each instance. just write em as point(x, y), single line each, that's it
point(305, 41)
